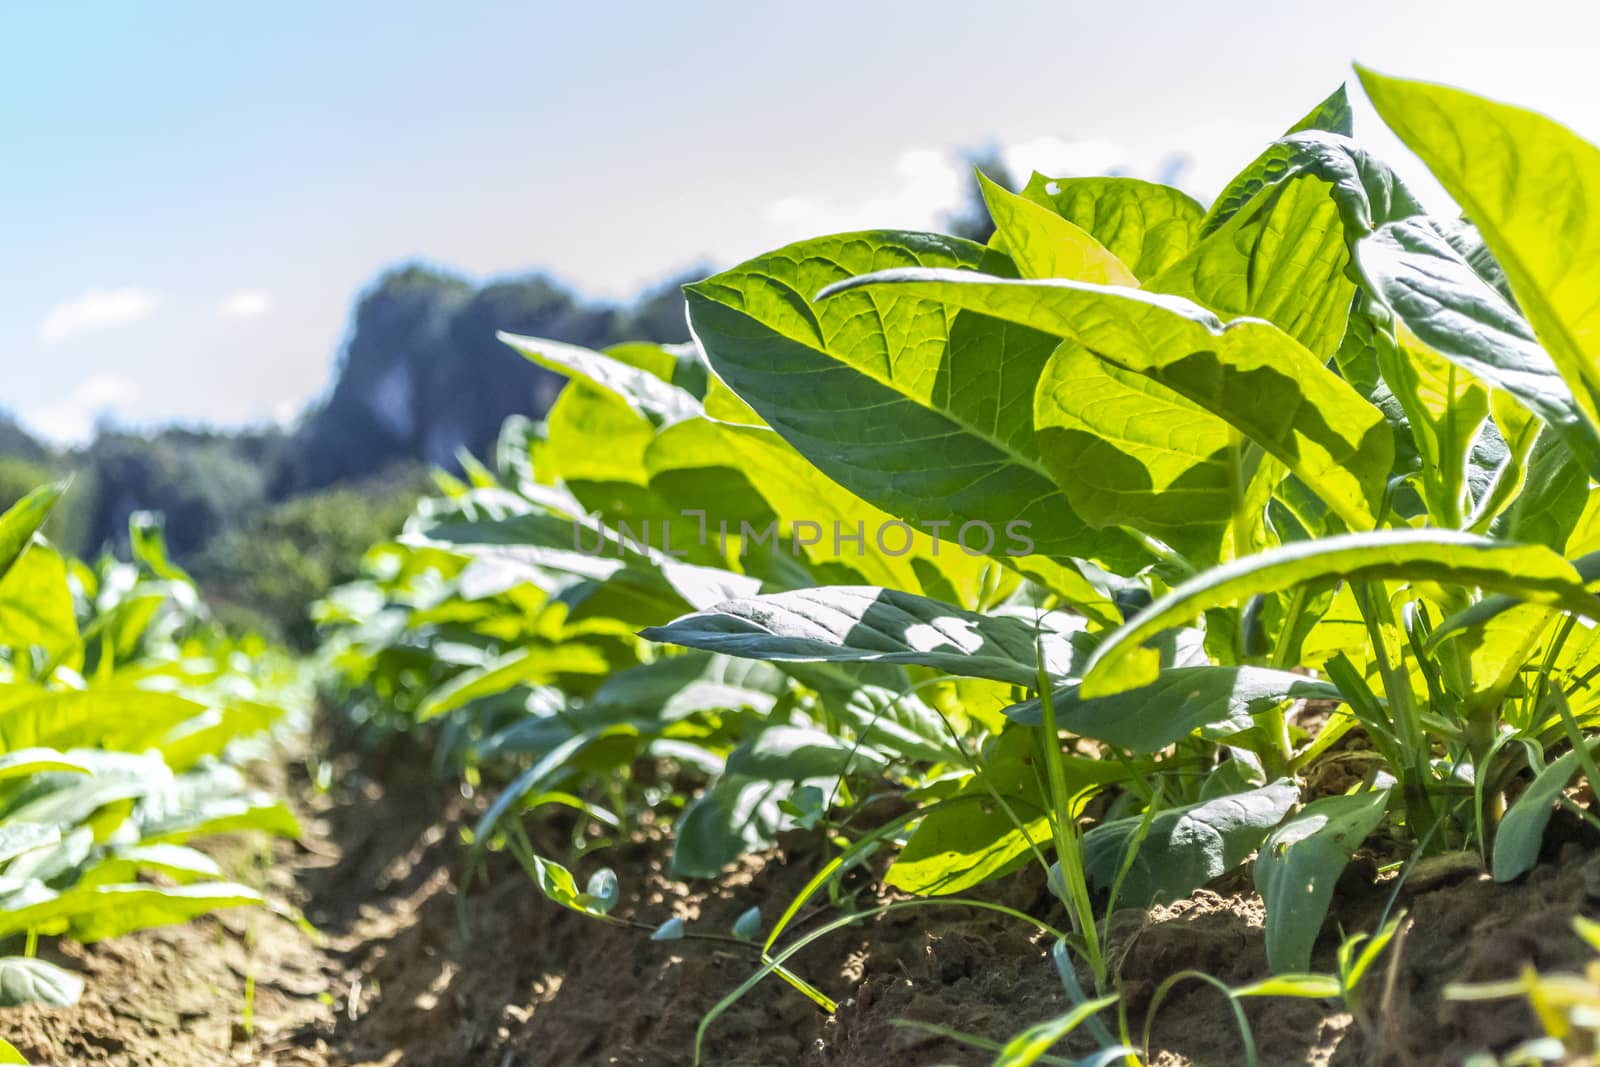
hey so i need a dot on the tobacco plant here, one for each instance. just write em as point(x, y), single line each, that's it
point(123, 715)
point(1214, 533)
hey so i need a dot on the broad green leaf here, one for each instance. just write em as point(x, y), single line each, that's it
point(791, 753)
point(26, 762)
point(690, 466)
point(1441, 299)
point(734, 816)
point(868, 624)
point(24, 980)
point(222, 815)
point(1043, 244)
point(1445, 408)
point(214, 730)
point(1532, 187)
point(676, 364)
point(1179, 702)
point(675, 687)
point(178, 862)
point(966, 843)
point(1146, 226)
point(1333, 115)
point(1367, 191)
point(1552, 501)
point(846, 529)
point(531, 665)
point(36, 606)
point(113, 716)
point(1299, 864)
point(1128, 451)
point(920, 410)
point(1520, 834)
point(1249, 373)
point(1531, 571)
point(895, 723)
point(22, 520)
point(644, 392)
point(582, 415)
point(973, 837)
point(17, 837)
point(1185, 847)
point(1282, 258)
point(99, 912)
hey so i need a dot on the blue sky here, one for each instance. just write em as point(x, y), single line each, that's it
point(192, 194)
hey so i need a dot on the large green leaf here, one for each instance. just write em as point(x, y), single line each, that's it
point(17, 837)
point(1445, 409)
point(1441, 299)
point(1129, 451)
point(1520, 835)
point(1249, 373)
point(1534, 572)
point(1333, 115)
point(1147, 226)
point(26, 762)
point(1179, 702)
point(111, 716)
point(1553, 497)
point(1044, 244)
point(973, 837)
point(1532, 187)
point(843, 528)
point(782, 753)
point(522, 666)
point(641, 390)
point(1299, 864)
point(1185, 847)
point(1282, 258)
point(98, 912)
point(22, 520)
point(36, 606)
point(867, 624)
point(919, 409)
point(734, 816)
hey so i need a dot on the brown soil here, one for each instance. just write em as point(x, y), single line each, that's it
point(399, 981)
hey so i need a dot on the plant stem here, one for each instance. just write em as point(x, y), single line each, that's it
point(1072, 889)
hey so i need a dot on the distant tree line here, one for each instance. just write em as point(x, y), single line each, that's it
point(269, 518)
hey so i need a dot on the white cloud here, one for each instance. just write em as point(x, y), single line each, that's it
point(97, 309)
point(930, 184)
point(71, 420)
point(245, 304)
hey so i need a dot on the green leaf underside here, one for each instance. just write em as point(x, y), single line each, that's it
point(1186, 847)
point(1436, 293)
point(1180, 701)
point(868, 624)
point(1299, 864)
point(1532, 571)
point(1532, 187)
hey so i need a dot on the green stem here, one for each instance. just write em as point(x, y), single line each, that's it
point(1073, 888)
